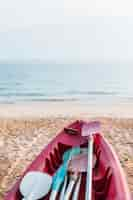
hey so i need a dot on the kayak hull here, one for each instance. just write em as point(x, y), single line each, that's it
point(109, 182)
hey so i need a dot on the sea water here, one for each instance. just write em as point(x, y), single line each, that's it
point(60, 82)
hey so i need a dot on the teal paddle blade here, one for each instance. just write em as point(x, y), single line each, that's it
point(60, 174)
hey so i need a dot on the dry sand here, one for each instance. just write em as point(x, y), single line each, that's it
point(25, 129)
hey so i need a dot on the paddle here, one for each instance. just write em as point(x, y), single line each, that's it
point(63, 188)
point(88, 130)
point(76, 192)
point(72, 181)
point(77, 165)
point(35, 185)
point(73, 168)
point(62, 171)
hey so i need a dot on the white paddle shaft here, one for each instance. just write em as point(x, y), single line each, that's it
point(69, 189)
point(89, 170)
point(63, 189)
point(76, 191)
point(53, 195)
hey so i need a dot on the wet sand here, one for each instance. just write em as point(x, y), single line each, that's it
point(23, 136)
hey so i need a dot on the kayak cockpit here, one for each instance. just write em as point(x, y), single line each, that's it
point(101, 174)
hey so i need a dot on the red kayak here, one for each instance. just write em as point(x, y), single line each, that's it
point(108, 179)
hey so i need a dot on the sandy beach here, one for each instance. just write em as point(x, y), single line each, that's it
point(26, 128)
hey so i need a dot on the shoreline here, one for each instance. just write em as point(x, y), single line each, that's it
point(33, 110)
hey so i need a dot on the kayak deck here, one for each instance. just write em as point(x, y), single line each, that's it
point(108, 179)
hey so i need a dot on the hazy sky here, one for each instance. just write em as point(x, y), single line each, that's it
point(66, 31)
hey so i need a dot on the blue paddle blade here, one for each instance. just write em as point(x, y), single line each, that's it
point(62, 171)
point(59, 177)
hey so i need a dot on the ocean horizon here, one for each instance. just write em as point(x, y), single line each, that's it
point(65, 82)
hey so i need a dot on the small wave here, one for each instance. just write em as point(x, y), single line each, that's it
point(91, 93)
point(55, 99)
point(21, 94)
